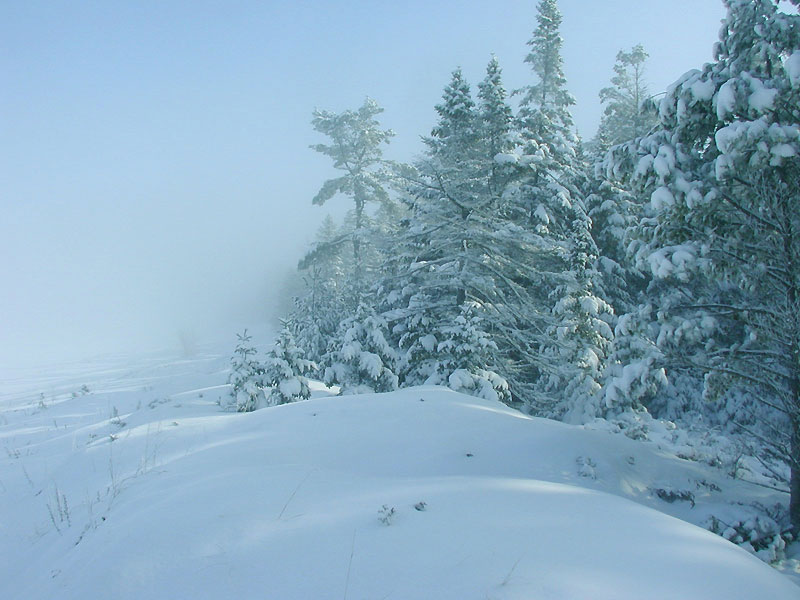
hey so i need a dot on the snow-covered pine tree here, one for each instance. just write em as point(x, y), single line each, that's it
point(442, 194)
point(579, 342)
point(360, 358)
point(494, 128)
point(722, 178)
point(321, 307)
point(464, 357)
point(546, 196)
point(614, 211)
point(635, 370)
point(544, 111)
point(547, 145)
point(628, 111)
point(285, 370)
point(355, 147)
point(246, 377)
point(460, 246)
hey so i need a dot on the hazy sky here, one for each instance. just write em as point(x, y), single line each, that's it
point(155, 174)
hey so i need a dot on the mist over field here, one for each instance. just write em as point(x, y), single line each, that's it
point(369, 300)
point(155, 162)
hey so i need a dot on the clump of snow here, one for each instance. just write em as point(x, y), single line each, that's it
point(662, 199)
point(783, 150)
point(762, 98)
point(703, 90)
point(726, 99)
point(291, 387)
point(792, 66)
point(428, 342)
point(541, 214)
point(590, 305)
point(725, 136)
point(664, 162)
point(506, 158)
point(371, 363)
point(643, 165)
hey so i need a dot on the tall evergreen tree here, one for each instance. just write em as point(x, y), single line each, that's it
point(580, 339)
point(355, 146)
point(546, 195)
point(544, 108)
point(721, 225)
point(545, 185)
point(627, 114)
point(458, 250)
point(318, 311)
point(495, 113)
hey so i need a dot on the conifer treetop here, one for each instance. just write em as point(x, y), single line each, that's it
point(356, 141)
point(549, 94)
point(456, 112)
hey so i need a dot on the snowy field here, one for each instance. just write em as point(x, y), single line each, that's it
point(123, 479)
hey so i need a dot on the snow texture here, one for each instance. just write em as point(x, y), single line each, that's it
point(792, 66)
point(169, 497)
point(726, 99)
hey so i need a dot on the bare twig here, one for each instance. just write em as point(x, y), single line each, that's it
point(293, 493)
point(349, 564)
point(510, 573)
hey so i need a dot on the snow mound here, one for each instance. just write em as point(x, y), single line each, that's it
point(421, 493)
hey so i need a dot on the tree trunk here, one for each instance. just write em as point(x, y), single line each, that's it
point(358, 264)
point(794, 479)
point(786, 208)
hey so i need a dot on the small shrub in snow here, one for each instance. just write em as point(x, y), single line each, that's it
point(284, 370)
point(730, 452)
point(586, 467)
point(632, 423)
point(463, 356)
point(762, 532)
point(360, 359)
point(246, 377)
point(59, 511)
point(708, 485)
point(671, 494)
point(83, 391)
point(386, 514)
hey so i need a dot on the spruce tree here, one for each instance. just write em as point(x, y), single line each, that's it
point(465, 357)
point(361, 358)
point(545, 105)
point(246, 377)
point(581, 337)
point(545, 186)
point(546, 195)
point(496, 118)
point(285, 369)
point(460, 249)
point(720, 228)
point(629, 113)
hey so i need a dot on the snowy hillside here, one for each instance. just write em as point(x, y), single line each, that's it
point(126, 480)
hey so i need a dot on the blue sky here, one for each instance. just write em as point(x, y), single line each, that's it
point(154, 156)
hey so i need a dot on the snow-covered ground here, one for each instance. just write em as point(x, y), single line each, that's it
point(123, 479)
